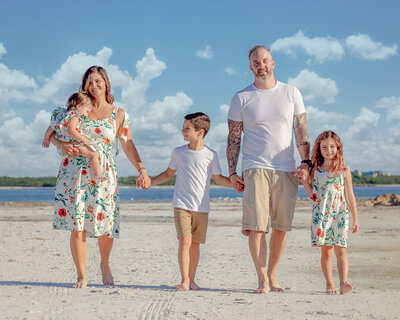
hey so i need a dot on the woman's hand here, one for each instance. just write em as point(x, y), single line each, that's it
point(143, 181)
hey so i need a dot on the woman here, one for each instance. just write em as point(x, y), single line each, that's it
point(84, 206)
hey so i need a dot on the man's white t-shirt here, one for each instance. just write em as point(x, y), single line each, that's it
point(194, 169)
point(267, 117)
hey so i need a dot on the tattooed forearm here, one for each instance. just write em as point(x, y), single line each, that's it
point(234, 140)
point(301, 135)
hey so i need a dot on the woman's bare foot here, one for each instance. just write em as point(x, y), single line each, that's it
point(80, 283)
point(182, 287)
point(331, 290)
point(275, 286)
point(194, 286)
point(345, 288)
point(262, 288)
point(108, 280)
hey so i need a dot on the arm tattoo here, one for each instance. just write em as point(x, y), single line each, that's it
point(233, 147)
point(301, 133)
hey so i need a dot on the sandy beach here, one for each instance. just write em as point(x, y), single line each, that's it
point(36, 269)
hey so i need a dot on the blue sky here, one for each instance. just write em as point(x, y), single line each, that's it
point(169, 58)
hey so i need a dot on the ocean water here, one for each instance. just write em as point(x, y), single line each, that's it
point(165, 194)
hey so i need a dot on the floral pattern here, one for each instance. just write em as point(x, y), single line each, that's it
point(82, 203)
point(330, 215)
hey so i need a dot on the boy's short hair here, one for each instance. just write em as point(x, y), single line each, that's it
point(199, 120)
point(78, 98)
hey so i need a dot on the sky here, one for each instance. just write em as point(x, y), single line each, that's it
point(169, 58)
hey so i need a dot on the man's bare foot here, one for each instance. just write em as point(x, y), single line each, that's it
point(194, 286)
point(345, 288)
point(330, 290)
point(80, 283)
point(182, 287)
point(262, 288)
point(108, 280)
point(275, 286)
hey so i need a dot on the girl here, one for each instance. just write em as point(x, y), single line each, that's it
point(330, 187)
point(68, 129)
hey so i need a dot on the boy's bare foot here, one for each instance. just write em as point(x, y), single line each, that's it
point(182, 287)
point(108, 280)
point(330, 290)
point(80, 283)
point(262, 288)
point(194, 286)
point(345, 288)
point(275, 286)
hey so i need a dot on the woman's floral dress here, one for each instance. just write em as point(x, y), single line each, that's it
point(330, 215)
point(82, 203)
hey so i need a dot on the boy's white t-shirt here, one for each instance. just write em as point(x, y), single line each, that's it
point(194, 169)
point(267, 117)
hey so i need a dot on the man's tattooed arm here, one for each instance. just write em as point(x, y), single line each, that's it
point(301, 134)
point(234, 140)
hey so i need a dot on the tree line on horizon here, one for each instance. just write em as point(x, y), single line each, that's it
point(42, 182)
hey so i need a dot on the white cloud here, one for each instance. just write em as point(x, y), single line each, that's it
point(315, 88)
point(364, 47)
point(223, 109)
point(364, 125)
point(2, 49)
point(156, 125)
point(392, 105)
point(206, 53)
point(320, 48)
point(231, 71)
point(66, 79)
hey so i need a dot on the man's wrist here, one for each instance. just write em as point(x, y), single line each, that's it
point(307, 162)
point(232, 174)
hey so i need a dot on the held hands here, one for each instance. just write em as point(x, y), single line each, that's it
point(237, 182)
point(302, 173)
point(143, 181)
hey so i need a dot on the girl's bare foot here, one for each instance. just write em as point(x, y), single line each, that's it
point(182, 287)
point(108, 280)
point(80, 283)
point(262, 288)
point(194, 286)
point(345, 288)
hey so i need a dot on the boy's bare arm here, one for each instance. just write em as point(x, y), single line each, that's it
point(73, 131)
point(47, 136)
point(163, 177)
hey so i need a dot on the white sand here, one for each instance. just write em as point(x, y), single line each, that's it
point(36, 270)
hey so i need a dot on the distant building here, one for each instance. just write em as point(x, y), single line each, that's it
point(374, 173)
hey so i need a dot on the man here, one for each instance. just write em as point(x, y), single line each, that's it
point(267, 111)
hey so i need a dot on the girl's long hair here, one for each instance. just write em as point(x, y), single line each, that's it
point(338, 164)
point(103, 73)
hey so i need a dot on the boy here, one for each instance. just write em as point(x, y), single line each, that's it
point(194, 164)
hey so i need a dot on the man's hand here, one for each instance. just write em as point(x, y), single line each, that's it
point(237, 182)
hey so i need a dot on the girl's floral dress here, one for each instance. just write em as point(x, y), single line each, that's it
point(82, 203)
point(330, 215)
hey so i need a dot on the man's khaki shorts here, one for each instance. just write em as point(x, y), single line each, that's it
point(268, 193)
point(191, 223)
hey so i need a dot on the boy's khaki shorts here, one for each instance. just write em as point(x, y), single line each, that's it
point(268, 193)
point(191, 223)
